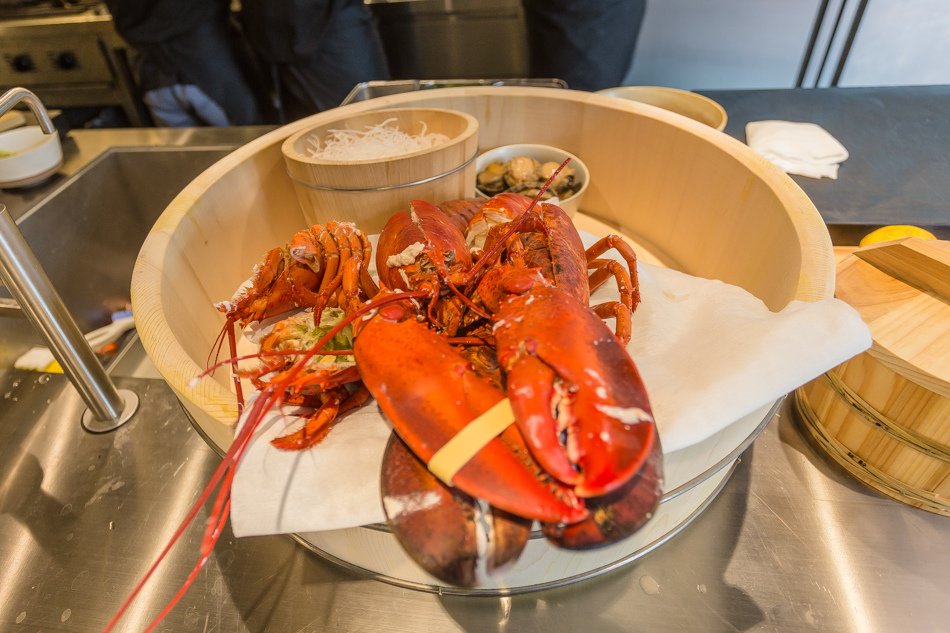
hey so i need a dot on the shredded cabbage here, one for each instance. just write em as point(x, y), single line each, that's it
point(378, 141)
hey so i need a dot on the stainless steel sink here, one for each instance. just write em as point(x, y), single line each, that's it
point(88, 232)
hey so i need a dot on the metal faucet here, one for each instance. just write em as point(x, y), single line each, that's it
point(14, 96)
point(30, 286)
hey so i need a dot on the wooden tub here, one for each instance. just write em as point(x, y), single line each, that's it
point(698, 200)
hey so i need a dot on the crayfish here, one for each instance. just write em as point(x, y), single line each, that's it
point(497, 343)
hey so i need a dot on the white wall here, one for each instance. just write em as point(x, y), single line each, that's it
point(709, 44)
point(901, 42)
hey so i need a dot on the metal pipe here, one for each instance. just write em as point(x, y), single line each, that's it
point(14, 96)
point(28, 283)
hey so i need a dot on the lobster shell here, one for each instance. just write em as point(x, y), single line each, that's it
point(429, 393)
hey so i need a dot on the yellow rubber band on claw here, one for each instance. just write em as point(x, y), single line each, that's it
point(455, 453)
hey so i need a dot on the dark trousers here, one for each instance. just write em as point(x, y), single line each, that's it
point(587, 43)
point(203, 57)
point(318, 49)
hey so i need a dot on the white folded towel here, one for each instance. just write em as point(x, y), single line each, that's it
point(804, 149)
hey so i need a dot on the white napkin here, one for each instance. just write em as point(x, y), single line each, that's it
point(709, 353)
point(804, 149)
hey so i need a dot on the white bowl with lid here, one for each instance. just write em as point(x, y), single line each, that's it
point(28, 156)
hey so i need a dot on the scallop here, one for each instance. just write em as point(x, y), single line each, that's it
point(564, 181)
point(522, 171)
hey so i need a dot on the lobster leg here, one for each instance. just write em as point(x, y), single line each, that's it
point(620, 312)
point(317, 425)
point(598, 277)
point(335, 402)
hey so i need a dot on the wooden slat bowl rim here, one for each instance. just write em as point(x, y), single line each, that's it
point(861, 469)
point(360, 175)
point(874, 418)
point(815, 278)
point(471, 127)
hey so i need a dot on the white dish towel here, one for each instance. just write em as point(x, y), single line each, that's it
point(805, 149)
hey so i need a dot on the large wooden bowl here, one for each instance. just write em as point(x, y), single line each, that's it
point(699, 200)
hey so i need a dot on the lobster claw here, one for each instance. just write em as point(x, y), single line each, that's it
point(615, 515)
point(576, 393)
point(429, 393)
point(441, 527)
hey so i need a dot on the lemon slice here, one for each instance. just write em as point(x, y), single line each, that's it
point(895, 232)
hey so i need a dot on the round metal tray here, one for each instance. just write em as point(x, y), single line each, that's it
point(694, 476)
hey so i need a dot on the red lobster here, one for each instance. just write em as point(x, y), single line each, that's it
point(323, 265)
point(560, 388)
point(404, 364)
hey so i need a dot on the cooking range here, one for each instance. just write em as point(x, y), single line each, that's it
point(68, 53)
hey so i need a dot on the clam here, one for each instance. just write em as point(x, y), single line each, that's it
point(521, 173)
point(492, 179)
point(526, 175)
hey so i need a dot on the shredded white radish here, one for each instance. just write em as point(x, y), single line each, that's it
point(377, 141)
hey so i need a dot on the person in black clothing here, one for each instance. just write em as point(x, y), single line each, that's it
point(316, 50)
point(188, 71)
point(587, 43)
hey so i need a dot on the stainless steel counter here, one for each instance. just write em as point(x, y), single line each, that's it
point(81, 147)
point(792, 543)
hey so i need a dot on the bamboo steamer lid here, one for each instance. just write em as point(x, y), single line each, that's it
point(885, 414)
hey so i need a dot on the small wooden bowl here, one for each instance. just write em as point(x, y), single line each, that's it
point(885, 414)
point(35, 156)
point(368, 192)
point(689, 104)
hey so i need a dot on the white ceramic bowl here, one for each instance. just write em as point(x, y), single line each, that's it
point(36, 156)
point(542, 153)
point(689, 104)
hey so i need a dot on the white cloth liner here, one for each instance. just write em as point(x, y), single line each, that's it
point(805, 149)
point(708, 352)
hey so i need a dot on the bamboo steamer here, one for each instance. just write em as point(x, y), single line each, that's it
point(697, 200)
point(885, 414)
point(368, 192)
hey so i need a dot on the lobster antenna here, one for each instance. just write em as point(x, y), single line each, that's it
point(236, 448)
point(516, 224)
point(260, 355)
point(264, 402)
point(232, 347)
point(215, 351)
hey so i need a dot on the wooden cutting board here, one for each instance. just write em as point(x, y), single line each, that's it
point(902, 291)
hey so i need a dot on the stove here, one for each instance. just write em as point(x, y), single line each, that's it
point(21, 9)
point(68, 53)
